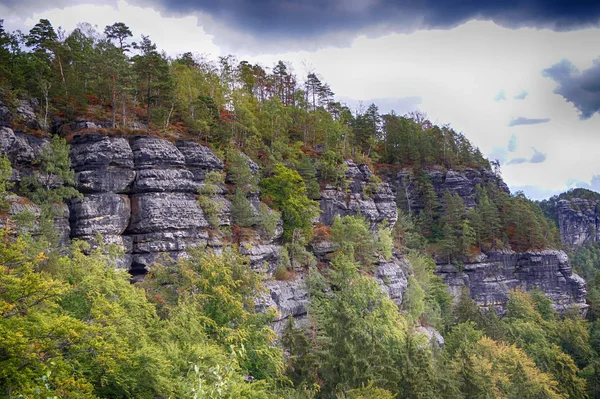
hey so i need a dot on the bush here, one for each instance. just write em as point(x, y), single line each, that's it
point(208, 197)
point(242, 211)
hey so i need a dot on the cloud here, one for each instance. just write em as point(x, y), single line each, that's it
point(500, 96)
point(582, 88)
point(521, 120)
point(521, 95)
point(516, 161)
point(512, 143)
point(500, 154)
point(400, 105)
point(315, 17)
point(310, 19)
point(536, 193)
point(537, 157)
point(593, 184)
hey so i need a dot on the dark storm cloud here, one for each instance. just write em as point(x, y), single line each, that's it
point(582, 88)
point(521, 120)
point(311, 18)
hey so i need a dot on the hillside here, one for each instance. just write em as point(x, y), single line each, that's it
point(176, 228)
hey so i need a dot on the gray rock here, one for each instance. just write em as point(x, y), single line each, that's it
point(578, 221)
point(156, 212)
point(105, 213)
point(392, 277)
point(433, 335)
point(377, 209)
point(102, 164)
point(26, 112)
point(5, 115)
point(198, 158)
point(163, 180)
point(155, 153)
point(17, 148)
point(289, 298)
point(263, 257)
point(96, 151)
point(169, 241)
point(490, 282)
point(104, 180)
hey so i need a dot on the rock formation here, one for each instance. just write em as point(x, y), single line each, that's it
point(495, 274)
point(578, 221)
point(141, 193)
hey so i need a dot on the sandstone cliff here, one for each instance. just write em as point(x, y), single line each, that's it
point(141, 193)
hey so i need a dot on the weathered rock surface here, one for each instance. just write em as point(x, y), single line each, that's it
point(104, 213)
point(392, 277)
point(491, 280)
point(141, 193)
point(578, 221)
point(374, 201)
point(289, 298)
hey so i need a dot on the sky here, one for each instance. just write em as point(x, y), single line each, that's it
point(521, 79)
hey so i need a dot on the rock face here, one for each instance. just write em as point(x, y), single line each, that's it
point(490, 280)
point(141, 193)
point(578, 221)
point(375, 202)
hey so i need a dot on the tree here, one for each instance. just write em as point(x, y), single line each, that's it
point(242, 211)
point(287, 191)
point(153, 70)
point(120, 32)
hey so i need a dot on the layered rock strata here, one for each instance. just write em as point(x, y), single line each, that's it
point(491, 279)
point(578, 221)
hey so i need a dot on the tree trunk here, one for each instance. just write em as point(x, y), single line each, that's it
point(169, 116)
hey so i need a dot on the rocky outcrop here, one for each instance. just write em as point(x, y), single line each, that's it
point(374, 201)
point(490, 280)
point(289, 298)
point(578, 221)
point(140, 193)
point(461, 182)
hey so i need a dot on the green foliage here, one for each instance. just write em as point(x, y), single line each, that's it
point(332, 169)
point(50, 183)
point(239, 172)
point(268, 219)
point(306, 169)
point(242, 211)
point(208, 197)
point(5, 185)
point(427, 296)
point(358, 331)
point(287, 191)
point(385, 243)
point(354, 238)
